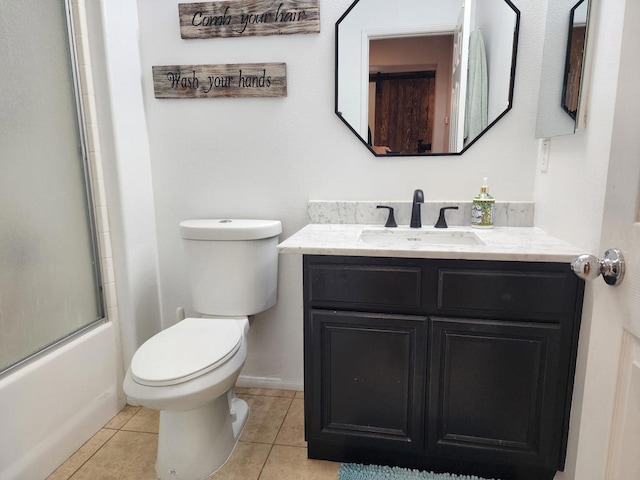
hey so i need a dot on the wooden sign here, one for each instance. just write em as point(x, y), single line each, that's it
point(243, 18)
point(231, 80)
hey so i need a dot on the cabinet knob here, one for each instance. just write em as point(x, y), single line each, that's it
point(611, 266)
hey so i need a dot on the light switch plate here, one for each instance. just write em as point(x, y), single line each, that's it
point(543, 154)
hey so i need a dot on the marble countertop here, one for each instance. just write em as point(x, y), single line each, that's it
point(500, 243)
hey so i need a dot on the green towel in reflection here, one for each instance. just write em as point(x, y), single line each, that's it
point(475, 119)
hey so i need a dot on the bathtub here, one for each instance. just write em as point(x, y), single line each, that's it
point(51, 406)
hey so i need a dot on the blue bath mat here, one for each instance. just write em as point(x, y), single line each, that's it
point(353, 471)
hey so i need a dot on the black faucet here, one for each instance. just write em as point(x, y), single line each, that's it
point(418, 198)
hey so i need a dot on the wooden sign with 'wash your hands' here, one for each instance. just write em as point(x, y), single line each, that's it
point(230, 80)
point(241, 18)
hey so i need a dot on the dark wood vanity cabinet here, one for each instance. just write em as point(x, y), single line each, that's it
point(375, 398)
point(444, 365)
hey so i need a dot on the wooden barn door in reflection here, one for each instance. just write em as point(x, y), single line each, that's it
point(404, 111)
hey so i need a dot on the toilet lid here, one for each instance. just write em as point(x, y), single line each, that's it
point(188, 349)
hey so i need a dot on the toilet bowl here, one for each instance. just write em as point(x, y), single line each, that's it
point(188, 371)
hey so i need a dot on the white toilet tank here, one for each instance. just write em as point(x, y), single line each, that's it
point(233, 265)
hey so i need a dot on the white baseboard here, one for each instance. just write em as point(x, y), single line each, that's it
point(270, 382)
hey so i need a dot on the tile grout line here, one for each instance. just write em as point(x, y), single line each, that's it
point(115, 432)
point(265, 462)
point(282, 423)
point(70, 477)
point(276, 437)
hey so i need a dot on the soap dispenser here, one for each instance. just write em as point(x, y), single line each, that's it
point(482, 208)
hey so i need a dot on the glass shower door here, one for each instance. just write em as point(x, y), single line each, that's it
point(49, 275)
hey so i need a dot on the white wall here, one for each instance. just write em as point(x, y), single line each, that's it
point(570, 204)
point(126, 164)
point(575, 183)
point(266, 157)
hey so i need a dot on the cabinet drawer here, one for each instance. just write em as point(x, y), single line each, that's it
point(530, 294)
point(377, 285)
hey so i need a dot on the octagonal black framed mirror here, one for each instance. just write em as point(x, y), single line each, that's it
point(425, 77)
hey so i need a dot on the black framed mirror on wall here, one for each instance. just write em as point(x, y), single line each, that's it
point(576, 41)
point(425, 77)
point(564, 76)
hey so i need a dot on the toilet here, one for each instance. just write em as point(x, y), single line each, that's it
point(188, 371)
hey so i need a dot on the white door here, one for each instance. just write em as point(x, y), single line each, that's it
point(459, 78)
point(619, 306)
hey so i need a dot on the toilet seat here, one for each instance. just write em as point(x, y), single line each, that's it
point(190, 348)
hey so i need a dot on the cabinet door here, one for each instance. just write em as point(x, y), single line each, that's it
point(367, 383)
point(493, 393)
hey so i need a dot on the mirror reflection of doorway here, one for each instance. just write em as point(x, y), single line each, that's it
point(404, 111)
point(410, 92)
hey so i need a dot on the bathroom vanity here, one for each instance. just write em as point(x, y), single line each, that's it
point(437, 353)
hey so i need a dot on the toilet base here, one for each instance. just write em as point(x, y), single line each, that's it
point(195, 443)
point(239, 413)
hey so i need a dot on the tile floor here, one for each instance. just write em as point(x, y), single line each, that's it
point(271, 446)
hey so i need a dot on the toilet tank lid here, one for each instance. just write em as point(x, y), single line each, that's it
point(229, 229)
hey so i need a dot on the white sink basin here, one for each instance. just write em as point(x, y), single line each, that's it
point(407, 236)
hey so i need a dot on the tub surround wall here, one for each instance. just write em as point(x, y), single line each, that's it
point(54, 403)
point(506, 214)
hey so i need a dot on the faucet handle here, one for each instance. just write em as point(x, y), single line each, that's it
point(442, 221)
point(391, 220)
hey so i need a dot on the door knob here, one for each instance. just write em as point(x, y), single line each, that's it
point(611, 266)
